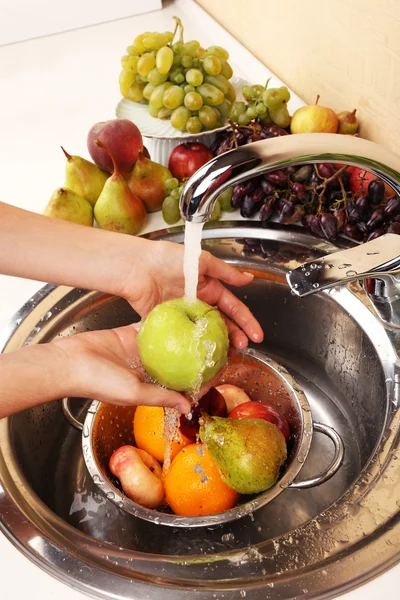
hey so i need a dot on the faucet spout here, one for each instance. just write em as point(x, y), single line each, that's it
point(243, 163)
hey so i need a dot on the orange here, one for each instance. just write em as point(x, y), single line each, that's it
point(148, 429)
point(193, 485)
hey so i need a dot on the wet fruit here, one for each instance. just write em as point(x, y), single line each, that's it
point(148, 430)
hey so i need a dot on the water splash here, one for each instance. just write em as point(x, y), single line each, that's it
point(192, 251)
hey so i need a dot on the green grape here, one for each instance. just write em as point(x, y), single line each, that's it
point(216, 212)
point(218, 51)
point(224, 200)
point(258, 90)
point(129, 63)
point(138, 45)
point(251, 112)
point(148, 90)
point(193, 101)
point(201, 53)
point(280, 116)
point(173, 97)
point(226, 69)
point(153, 111)
point(196, 63)
point(171, 183)
point(236, 109)
point(248, 92)
point(141, 79)
point(177, 47)
point(164, 113)
point(176, 193)
point(212, 65)
point(194, 125)
point(208, 116)
point(265, 119)
point(244, 119)
point(224, 108)
point(155, 77)
point(126, 79)
point(155, 41)
point(187, 61)
point(285, 93)
point(180, 117)
point(274, 97)
point(222, 84)
point(194, 77)
point(177, 61)
point(135, 92)
point(170, 210)
point(164, 59)
point(169, 35)
point(211, 95)
point(177, 76)
point(146, 63)
point(131, 51)
point(191, 48)
point(261, 108)
point(156, 98)
point(189, 88)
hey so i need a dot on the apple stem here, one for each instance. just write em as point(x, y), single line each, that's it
point(115, 166)
point(317, 100)
point(68, 156)
point(353, 114)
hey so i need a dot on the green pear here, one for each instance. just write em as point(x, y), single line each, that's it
point(247, 452)
point(117, 208)
point(84, 177)
point(147, 181)
point(182, 345)
point(69, 206)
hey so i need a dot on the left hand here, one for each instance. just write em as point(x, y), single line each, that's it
point(159, 277)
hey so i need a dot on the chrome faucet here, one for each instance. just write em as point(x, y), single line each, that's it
point(377, 262)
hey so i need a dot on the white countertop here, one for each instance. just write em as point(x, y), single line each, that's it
point(53, 89)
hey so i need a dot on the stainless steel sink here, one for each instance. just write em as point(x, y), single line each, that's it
point(311, 543)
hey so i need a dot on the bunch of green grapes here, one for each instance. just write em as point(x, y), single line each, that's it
point(263, 104)
point(170, 207)
point(180, 81)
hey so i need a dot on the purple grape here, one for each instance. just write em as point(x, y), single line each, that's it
point(248, 207)
point(237, 195)
point(392, 208)
point(290, 170)
point(326, 170)
point(303, 173)
point(315, 226)
point(356, 214)
point(314, 180)
point(341, 219)
point(328, 226)
point(376, 191)
point(307, 220)
point(299, 190)
point(268, 187)
point(376, 219)
point(250, 186)
point(258, 195)
point(362, 226)
point(362, 201)
point(254, 137)
point(375, 234)
point(277, 178)
point(352, 231)
point(286, 211)
point(346, 176)
point(273, 130)
point(394, 228)
point(266, 213)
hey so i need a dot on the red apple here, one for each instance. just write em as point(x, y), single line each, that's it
point(121, 137)
point(187, 158)
point(256, 410)
point(212, 403)
point(360, 180)
point(233, 395)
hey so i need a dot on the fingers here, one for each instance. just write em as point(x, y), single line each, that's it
point(216, 294)
point(214, 267)
point(237, 337)
point(152, 395)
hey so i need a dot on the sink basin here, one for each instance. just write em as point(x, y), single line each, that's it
point(316, 543)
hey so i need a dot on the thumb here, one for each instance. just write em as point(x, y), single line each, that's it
point(150, 394)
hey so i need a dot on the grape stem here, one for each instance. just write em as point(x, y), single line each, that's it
point(181, 28)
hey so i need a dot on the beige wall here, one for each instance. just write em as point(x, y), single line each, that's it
point(348, 51)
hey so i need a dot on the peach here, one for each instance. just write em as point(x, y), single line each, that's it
point(121, 137)
point(233, 395)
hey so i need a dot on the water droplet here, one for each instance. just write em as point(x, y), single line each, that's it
point(242, 593)
point(313, 266)
point(303, 268)
point(351, 273)
point(344, 266)
point(227, 537)
point(316, 285)
point(110, 495)
point(372, 253)
point(120, 504)
point(329, 266)
point(307, 273)
point(85, 431)
point(18, 321)
point(97, 479)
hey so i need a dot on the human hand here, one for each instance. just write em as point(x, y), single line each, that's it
point(157, 275)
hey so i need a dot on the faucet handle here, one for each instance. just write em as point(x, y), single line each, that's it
point(377, 258)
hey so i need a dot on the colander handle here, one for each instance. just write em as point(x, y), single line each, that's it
point(332, 468)
point(69, 416)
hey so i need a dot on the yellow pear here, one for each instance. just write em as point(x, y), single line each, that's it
point(314, 119)
point(69, 206)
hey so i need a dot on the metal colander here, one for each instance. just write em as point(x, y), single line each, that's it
point(107, 427)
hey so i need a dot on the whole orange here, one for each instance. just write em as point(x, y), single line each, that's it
point(193, 485)
point(148, 430)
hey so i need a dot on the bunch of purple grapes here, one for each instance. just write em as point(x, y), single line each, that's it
point(317, 195)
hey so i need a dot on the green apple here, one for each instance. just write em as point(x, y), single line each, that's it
point(182, 345)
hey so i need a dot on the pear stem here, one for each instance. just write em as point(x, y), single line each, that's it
point(317, 100)
point(115, 166)
point(68, 156)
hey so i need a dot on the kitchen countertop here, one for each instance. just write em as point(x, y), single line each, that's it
point(53, 90)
